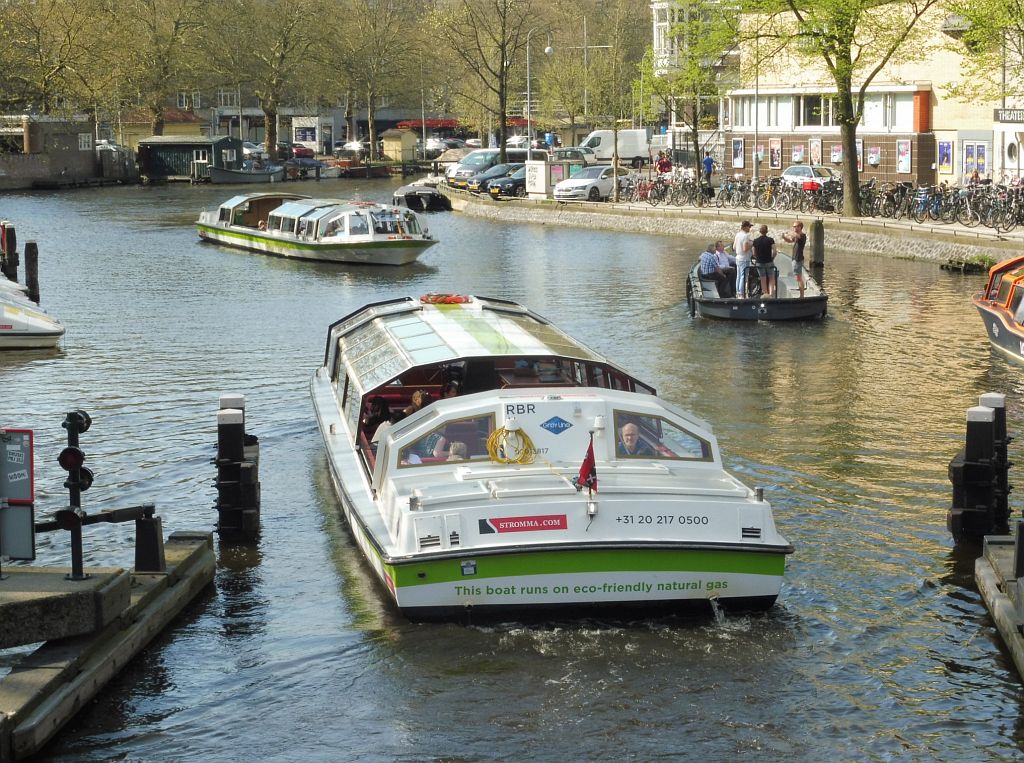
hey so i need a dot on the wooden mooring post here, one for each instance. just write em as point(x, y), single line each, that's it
point(238, 485)
point(817, 241)
point(32, 270)
point(8, 250)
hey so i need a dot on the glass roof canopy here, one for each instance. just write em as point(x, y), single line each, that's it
point(382, 341)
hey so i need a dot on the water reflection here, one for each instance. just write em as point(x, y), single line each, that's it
point(879, 647)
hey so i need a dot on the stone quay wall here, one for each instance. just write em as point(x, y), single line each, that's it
point(881, 236)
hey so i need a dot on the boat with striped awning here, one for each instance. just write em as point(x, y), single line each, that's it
point(542, 477)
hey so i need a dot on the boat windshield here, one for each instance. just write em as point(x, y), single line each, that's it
point(645, 436)
point(460, 440)
point(1006, 283)
point(387, 222)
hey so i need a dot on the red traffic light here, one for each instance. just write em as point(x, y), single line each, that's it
point(71, 458)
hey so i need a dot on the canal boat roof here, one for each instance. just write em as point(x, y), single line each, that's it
point(303, 207)
point(383, 340)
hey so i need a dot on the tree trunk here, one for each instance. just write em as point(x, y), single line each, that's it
point(270, 122)
point(848, 137)
point(371, 126)
point(156, 121)
point(500, 116)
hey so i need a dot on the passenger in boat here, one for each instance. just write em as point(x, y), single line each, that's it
point(451, 389)
point(799, 240)
point(630, 443)
point(457, 451)
point(764, 258)
point(262, 225)
point(420, 399)
point(709, 270)
point(742, 247)
point(378, 411)
point(728, 265)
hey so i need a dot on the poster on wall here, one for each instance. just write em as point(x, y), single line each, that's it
point(903, 156)
point(775, 153)
point(946, 157)
point(815, 150)
point(798, 153)
point(737, 152)
point(875, 155)
point(969, 166)
point(837, 153)
point(759, 152)
point(860, 155)
point(979, 159)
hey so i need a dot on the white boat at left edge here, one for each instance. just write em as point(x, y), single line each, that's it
point(23, 324)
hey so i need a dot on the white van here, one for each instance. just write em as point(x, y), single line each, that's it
point(634, 146)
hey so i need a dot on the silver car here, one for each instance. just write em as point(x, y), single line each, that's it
point(590, 183)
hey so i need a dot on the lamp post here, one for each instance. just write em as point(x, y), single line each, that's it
point(586, 68)
point(548, 50)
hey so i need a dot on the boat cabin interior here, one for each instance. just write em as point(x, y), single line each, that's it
point(1006, 288)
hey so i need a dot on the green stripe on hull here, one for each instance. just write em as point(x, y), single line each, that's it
point(588, 561)
point(246, 239)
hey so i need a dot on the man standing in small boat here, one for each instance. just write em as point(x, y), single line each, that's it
point(742, 246)
point(799, 240)
point(764, 257)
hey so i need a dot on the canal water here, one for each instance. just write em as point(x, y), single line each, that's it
point(879, 648)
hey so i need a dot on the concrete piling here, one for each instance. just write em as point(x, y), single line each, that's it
point(817, 241)
point(238, 486)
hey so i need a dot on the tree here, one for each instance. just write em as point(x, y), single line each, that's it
point(855, 40)
point(990, 35)
point(486, 37)
point(49, 53)
point(156, 53)
point(706, 32)
point(275, 58)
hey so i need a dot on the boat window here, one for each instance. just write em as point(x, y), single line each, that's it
point(385, 223)
point(412, 223)
point(1004, 289)
point(468, 436)
point(1015, 298)
point(357, 225)
point(643, 436)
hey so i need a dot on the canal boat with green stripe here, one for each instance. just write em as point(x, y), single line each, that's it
point(541, 476)
point(326, 230)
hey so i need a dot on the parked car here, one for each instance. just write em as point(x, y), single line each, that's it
point(472, 143)
point(252, 150)
point(518, 141)
point(590, 183)
point(575, 154)
point(302, 152)
point(480, 182)
point(799, 174)
point(510, 185)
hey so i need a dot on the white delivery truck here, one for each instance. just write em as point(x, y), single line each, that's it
point(634, 146)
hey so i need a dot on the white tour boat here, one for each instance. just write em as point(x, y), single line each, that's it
point(23, 324)
point(518, 494)
point(329, 230)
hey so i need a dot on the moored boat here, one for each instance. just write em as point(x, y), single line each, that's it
point(248, 173)
point(329, 230)
point(1000, 307)
point(524, 492)
point(703, 298)
point(23, 324)
point(421, 195)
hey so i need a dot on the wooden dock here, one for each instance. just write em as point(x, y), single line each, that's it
point(46, 688)
point(1000, 578)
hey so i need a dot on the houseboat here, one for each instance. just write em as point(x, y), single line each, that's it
point(1001, 306)
point(542, 478)
point(704, 300)
point(327, 230)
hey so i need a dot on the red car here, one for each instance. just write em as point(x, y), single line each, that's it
point(302, 152)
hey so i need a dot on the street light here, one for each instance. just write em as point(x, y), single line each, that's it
point(529, 105)
point(586, 69)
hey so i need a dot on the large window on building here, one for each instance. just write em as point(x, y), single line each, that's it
point(227, 97)
point(815, 111)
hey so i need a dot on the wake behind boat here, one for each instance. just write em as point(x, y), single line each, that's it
point(328, 230)
point(704, 300)
point(478, 503)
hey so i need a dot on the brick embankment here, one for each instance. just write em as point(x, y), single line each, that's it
point(899, 239)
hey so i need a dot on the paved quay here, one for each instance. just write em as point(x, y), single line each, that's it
point(900, 239)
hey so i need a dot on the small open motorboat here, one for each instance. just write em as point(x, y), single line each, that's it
point(422, 195)
point(1001, 306)
point(703, 299)
point(23, 325)
point(328, 230)
point(489, 502)
point(250, 172)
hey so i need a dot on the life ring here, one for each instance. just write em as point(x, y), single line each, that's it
point(445, 299)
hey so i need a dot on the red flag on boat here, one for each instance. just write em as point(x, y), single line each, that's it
point(587, 478)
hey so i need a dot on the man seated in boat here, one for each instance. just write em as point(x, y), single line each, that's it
point(630, 443)
point(711, 271)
